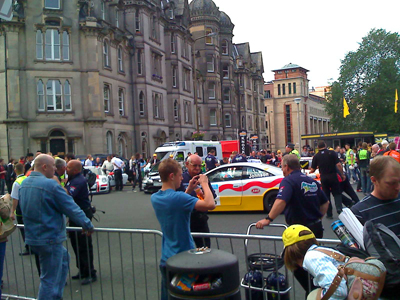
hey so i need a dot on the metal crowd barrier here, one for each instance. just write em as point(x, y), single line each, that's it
point(127, 262)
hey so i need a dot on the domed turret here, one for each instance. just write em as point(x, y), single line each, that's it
point(226, 23)
point(204, 8)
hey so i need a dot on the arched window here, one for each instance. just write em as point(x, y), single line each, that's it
point(225, 47)
point(121, 102)
point(228, 120)
point(121, 146)
point(209, 39)
point(109, 142)
point(141, 104)
point(54, 95)
point(176, 110)
point(120, 59)
point(52, 44)
point(187, 110)
point(213, 117)
point(67, 96)
point(106, 54)
point(40, 95)
point(137, 21)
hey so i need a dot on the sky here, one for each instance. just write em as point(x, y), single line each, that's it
point(315, 35)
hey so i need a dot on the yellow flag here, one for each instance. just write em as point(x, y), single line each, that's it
point(345, 108)
point(396, 98)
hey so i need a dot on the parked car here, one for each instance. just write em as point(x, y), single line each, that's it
point(247, 186)
point(104, 182)
point(151, 182)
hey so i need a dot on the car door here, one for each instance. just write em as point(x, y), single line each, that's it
point(256, 182)
point(227, 184)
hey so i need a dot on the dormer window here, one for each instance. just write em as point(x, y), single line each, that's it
point(52, 4)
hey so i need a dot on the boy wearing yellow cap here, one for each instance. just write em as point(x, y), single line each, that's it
point(299, 252)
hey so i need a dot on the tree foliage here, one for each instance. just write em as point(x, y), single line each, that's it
point(368, 80)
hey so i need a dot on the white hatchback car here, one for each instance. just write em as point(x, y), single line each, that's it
point(245, 186)
point(104, 182)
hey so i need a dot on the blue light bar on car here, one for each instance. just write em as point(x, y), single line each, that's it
point(181, 144)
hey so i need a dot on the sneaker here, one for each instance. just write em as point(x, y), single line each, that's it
point(25, 253)
point(89, 280)
point(359, 191)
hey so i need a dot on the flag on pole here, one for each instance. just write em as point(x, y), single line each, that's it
point(396, 98)
point(345, 108)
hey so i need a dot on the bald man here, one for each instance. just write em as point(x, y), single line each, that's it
point(83, 247)
point(44, 205)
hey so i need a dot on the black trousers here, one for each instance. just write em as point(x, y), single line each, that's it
point(330, 184)
point(302, 276)
point(137, 180)
point(199, 223)
point(119, 185)
point(83, 249)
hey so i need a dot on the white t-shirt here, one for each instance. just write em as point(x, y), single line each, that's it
point(107, 165)
point(88, 162)
point(15, 190)
point(117, 163)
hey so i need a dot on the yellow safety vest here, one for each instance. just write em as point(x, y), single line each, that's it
point(19, 180)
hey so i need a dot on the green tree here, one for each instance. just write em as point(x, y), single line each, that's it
point(368, 79)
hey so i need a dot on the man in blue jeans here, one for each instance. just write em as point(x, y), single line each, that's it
point(44, 204)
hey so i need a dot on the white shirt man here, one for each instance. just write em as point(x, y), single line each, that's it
point(117, 163)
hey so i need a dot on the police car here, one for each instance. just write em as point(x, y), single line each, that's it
point(246, 186)
point(104, 182)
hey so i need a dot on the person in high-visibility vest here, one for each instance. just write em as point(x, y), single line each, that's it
point(290, 150)
point(392, 152)
point(16, 210)
point(61, 167)
point(364, 157)
point(350, 160)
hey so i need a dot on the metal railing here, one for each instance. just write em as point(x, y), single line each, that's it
point(127, 263)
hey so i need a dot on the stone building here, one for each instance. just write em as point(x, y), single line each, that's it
point(112, 76)
point(283, 113)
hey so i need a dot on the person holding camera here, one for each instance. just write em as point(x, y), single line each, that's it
point(83, 247)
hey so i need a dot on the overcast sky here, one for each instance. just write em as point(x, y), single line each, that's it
point(313, 34)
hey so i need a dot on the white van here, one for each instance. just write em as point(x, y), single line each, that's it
point(180, 150)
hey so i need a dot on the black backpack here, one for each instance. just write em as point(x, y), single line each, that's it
point(90, 177)
point(382, 243)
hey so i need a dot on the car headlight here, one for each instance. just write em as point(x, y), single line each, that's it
point(149, 181)
point(104, 180)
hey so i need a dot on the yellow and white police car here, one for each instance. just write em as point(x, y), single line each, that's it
point(245, 186)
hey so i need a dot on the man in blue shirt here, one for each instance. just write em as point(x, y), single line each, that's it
point(173, 210)
point(238, 157)
point(44, 204)
point(211, 160)
point(303, 202)
point(198, 219)
point(83, 247)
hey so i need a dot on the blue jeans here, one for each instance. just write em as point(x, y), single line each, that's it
point(2, 185)
point(2, 255)
point(54, 264)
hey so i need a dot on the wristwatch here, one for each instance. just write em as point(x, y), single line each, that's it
point(268, 218)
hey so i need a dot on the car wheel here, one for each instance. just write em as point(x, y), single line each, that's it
point(269, 200)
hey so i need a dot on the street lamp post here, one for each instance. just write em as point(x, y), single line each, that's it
point(298, 101)
point(195, 78)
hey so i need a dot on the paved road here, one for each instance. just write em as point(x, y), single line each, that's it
point(126, 262)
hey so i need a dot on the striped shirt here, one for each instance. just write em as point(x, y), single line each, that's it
point(386, 212)
point(324, 269)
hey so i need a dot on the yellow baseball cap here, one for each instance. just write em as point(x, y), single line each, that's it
point(291, 235)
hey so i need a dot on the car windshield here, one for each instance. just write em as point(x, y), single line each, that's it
point(155, 167)
point(161, 155)
point(96, 171)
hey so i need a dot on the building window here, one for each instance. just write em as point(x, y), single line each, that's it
point(279, 89)
point(109, 139)
point(103, 10)
point(39, 44)
point(157, 66)
point(294, 87)
point(213, 117)
point(106, 97)
point(250, 122)
point(121, 102)
point(211, 90)
point(225, 47)
point(290, 88)
point(267, 94)
point(67, 96)
point(262, 108)
point(241, 80)
point(225, 71)
point(243, 122)
point(288, 124)
point(154, 28)
point(174, 76)
point(120, 59)
point(176, 110)
point(242, 101)
point(52, 47)
point(54, 95)
point(141, 104)
point(52, 4)
point(187, 111)
point(137, 21)
point(210, 63)
point(186, 79)
point(117, 18)
point(106, 54)
point(184, 48)
point(65, 45)
point(40, 95)
point(249, 103)
point(228, 122)
point(209, 39)
point(171, 13)
point(157, 106)
point(139, 62)
point(283, 89)
point(227, 95)
point(172, 43)
point(199, 116)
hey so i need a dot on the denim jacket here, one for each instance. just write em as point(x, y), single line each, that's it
point(44, 204)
